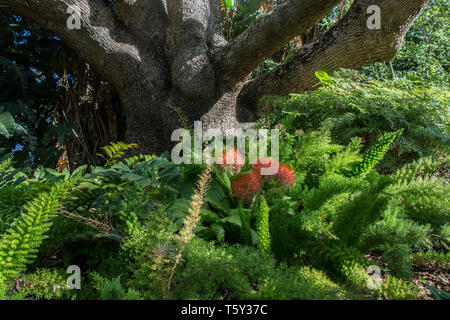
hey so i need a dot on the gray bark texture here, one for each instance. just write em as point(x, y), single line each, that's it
point(161, 55)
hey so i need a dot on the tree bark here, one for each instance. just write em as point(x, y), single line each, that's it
point(348, 44)
point(267, 35)
point(163, 54)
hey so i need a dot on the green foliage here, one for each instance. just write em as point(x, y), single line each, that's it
point(370, 159)
point(211, 272)
point(32, 64)
point(149, 252)
point(301, 283)
point(3, 288)
point(327, 221)
point(373, 155)
point(18, 246)
point(355, 274)
point(261, 212)
point(389, 213)
point(7, 124)
point(239, 14)
point(18, 186)
point(112, 289)
point(44, 284)
point(246, 231)
point(226, 272)
point(312, 155)
point(437, 295)
point(424, 55)
point(220, 213)
point(355, 106)
point(11, 201)
point(432, 256)
point(426, 201)
point(396, 289)
point(114, 151)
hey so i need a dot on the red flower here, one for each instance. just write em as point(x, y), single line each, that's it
point(286, 176)
point(265, 163)
point(246, 186)
point(232, 160)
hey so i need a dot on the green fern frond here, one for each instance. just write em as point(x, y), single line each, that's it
point(19, 245)
point(138, 159)
point(5, 168)
point(114, 151)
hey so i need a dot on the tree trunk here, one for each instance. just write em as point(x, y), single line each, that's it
point(163, 56)
point(152, 117)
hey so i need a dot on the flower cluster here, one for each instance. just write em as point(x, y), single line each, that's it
point(265, 163)
point(232, 160)
point(246, 186)
point(285, 176)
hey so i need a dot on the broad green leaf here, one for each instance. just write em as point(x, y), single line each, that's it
point(7, 124)
point(229, 4)
point(218, 230)
point(322, 76)
point(236, 219)
point(209, 216)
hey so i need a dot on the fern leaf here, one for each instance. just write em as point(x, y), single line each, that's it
point(114, 151)
point(19, 244)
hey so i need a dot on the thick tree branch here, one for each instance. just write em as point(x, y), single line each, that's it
point(147, 19)
point(217, 38)
point(348, 44)
point(268, 34)
point(101, 41)
point(94, 41)
point(192, 73)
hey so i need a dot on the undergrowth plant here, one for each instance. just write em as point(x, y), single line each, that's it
point(19, 245)
point(141, 228)
point(353, 105)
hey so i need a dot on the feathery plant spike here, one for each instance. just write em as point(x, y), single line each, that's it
point(373, 155)
point(19, 245)
point(191, 221)
point(262, 224)
point(194, 213)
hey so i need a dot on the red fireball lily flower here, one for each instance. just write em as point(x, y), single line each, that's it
point(246, 186)
point(232, 160)
point(265, 163)
point(286, 176)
